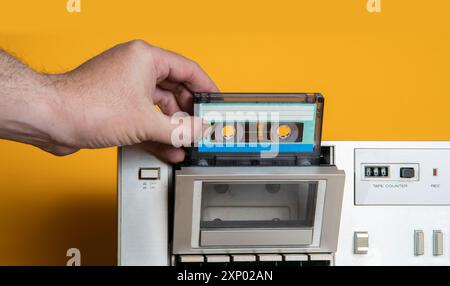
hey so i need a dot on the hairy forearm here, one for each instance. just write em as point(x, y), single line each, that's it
point(107, 101)
point(25, 102)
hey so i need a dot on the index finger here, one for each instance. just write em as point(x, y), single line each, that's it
point(178, 69)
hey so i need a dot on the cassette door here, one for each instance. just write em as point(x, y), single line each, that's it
point(268, 209)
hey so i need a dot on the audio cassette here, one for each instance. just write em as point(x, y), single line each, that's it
point(258, 129)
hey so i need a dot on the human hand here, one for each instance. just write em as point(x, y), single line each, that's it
point(109, 101)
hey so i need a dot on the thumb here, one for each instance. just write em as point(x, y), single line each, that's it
point(178, 130)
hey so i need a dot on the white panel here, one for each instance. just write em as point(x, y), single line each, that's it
point(143, 209)
point(390, 228)
point(422, 189)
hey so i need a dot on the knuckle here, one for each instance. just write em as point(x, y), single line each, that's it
point(139, 44)
point(138, 48)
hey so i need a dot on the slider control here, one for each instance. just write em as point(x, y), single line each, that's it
point(438, 243)
point(418, 242)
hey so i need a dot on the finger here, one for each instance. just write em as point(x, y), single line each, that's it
point(182, 94)
point(166, 101)
point(176, 68)
point(177, 130)
point(164, 152)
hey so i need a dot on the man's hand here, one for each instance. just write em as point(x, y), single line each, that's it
point(107, 101)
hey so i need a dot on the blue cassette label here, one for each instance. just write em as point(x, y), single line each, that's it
point(258, 127)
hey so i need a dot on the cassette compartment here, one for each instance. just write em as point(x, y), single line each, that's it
point(254, 208)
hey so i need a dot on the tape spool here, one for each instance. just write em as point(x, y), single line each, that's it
point(284, 132)
point(229, 132)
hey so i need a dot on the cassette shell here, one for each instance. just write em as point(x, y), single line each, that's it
point(196, 158)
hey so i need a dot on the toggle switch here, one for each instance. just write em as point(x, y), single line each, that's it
point(361, 242)
point(418, 242)
point(438, 243)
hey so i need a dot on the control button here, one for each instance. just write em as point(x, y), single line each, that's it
point(217, 258)
point(192, 259)
point(269, 257)
point(418, 242)
point(438, 242)
point(321, 257)
point(244, 258)
point(148, 173)
point(407, 173)
point(360, 242)
point(295, 257)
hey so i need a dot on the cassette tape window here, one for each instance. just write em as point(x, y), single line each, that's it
point(258, 204)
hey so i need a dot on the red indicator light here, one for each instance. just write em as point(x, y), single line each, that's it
point(435, 172)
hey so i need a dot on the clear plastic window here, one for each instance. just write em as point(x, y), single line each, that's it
point(258, 204)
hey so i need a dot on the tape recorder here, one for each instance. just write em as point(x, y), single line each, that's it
point(258, 186)
point(261, 188)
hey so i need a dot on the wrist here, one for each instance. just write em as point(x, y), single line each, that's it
point(55, 110)
point(31, 112)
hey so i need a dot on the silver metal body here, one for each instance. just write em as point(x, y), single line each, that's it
point(405, 219)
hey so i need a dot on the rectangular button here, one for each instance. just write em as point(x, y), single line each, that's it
point(217, 258)
point(192, 258)
point(270, 257)
point(361, 242)
point(320, 257)
point(244, 258)
point(438, 242)
point(418, 242)
point(148, 173)
point(407, 173)
point(295, 257)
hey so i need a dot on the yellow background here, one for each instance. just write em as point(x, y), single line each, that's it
point(384, 76)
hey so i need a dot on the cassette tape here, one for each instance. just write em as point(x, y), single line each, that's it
point(258, 129)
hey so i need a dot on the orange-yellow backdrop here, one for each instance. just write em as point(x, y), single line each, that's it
point(385, 76)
